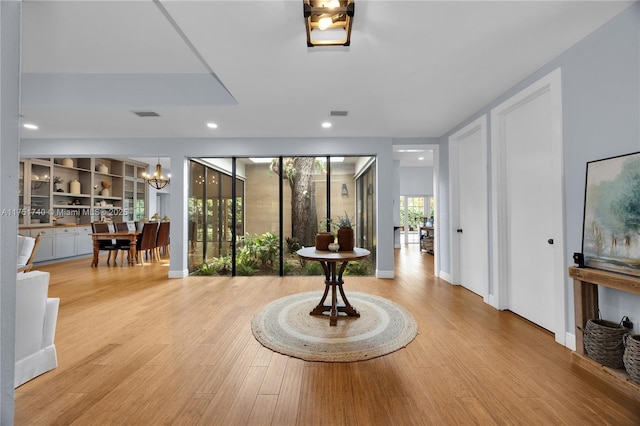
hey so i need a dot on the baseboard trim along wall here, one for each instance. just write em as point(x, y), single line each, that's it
point(384, 274)
point(179, 274)
point(446, 276)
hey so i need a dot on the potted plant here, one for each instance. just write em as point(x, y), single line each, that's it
point(345, 232)
point(57, 182)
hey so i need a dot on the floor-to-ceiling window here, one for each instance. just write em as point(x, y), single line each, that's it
point(196, 214)
point(211, 216)
point(366, 210)
point(281, 203)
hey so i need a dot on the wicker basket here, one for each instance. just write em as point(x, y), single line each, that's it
point(631, 356)
point(603, 342)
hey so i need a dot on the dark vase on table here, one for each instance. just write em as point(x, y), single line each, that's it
point(323, 239)
point(345, 239)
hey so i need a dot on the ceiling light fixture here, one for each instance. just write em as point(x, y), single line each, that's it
point(157, 179)
point(212, 125)
point(30, 126)
point(326, 124)
point(328, 23)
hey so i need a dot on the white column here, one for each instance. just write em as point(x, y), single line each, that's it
point(9, 158)
point(178, 212)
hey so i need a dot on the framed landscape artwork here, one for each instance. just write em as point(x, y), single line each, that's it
point(611, 230)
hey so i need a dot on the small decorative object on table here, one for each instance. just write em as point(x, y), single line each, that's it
point(323, 240)
point(57, 182)
point(345, 232)
point(106, 185)
point(334, 247)
point(74, 187)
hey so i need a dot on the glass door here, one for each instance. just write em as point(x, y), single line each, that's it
point(40, 194)
point(140, 200)
point(128, 200)
point(21, 194)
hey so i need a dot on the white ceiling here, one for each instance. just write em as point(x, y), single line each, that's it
point(414, 68)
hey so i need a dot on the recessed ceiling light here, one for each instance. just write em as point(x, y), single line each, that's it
point(212, 125)
point(30, 126)
point(420, 158)
point(326, 124)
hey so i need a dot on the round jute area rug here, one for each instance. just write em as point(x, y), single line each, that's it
point(285, 326)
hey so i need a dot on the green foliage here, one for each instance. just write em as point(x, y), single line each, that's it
point(259, 250)
point(206, 269)
point(245, 270)
point(415, 218)
point(343, 221)
point(361, 268)
point(312, 268)
point(287, 268)
point(217, 266)
point(221, 264)
point(325, 224)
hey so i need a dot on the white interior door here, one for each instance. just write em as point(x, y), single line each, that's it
point(527, 147)
point(470, 224)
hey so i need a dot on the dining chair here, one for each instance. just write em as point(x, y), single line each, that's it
point(146, 240)
point(123, 245)
point(162, 240)
point(108, 245)
point(27, 247)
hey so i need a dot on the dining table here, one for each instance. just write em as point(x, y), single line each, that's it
point(132, 236)
point(333, 279)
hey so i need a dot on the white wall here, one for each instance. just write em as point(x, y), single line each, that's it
point(601, 118)
point(416, 181)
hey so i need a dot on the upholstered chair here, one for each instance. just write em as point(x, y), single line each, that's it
point(36, 317)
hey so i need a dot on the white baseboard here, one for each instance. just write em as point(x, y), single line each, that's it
point(491, 300)
point(445, 276)
point(384, 274)
point(179, 274)
point(570, 341)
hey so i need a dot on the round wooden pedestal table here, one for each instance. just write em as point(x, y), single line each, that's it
point(333, 279)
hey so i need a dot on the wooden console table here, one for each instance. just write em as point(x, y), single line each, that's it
point(585, 299)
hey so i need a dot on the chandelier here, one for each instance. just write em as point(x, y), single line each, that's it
point(157, 180)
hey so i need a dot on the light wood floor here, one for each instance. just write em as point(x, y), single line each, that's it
point(135, 348)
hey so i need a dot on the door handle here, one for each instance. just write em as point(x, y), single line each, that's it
point(550, 240)
point(459, 231)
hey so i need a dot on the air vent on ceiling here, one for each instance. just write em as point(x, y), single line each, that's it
point(338, 113)
point(146, 114)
